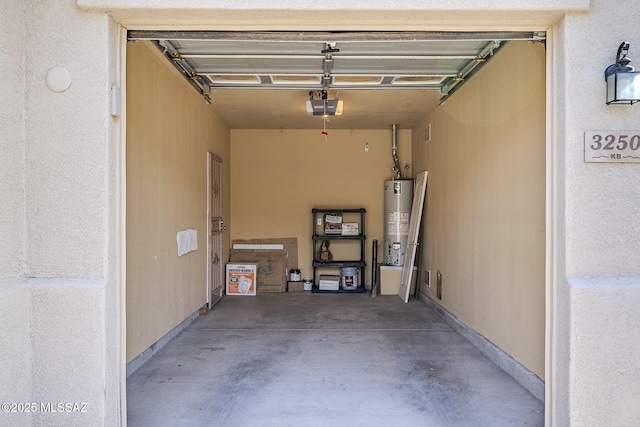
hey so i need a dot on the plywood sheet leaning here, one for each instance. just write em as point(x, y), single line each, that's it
point(414, 228)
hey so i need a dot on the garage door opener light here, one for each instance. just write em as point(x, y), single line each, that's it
point(323, 107)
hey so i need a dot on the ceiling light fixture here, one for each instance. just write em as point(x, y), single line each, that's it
point(623, 84)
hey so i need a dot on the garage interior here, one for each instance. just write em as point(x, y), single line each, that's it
point(470, 109)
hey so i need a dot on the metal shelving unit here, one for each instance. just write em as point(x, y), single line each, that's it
point(319, 236)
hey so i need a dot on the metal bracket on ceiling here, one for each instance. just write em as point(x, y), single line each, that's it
point(488, 50)
point(540, 37)
point(330, 47)
point(455, 83)
point(169, 50)
point(327, 63)
point(194, 79)
point(444, 92)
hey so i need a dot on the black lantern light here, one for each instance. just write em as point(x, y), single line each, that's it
point(623, 84)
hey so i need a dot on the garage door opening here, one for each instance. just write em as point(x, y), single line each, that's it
point(484, 150)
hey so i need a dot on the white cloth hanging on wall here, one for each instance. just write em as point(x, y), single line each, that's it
point(187, 241)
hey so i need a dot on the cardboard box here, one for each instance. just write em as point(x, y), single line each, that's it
point(242, 279)
point(390, 277)
point(329, 283)
point(295, 286)
point(272, 270)
point(290, 245)
point(350, 229)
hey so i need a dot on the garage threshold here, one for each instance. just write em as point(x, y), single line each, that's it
point(302, 359)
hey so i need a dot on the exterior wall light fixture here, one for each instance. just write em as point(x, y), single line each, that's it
point(623, 84)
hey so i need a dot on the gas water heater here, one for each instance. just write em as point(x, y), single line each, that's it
point(398, 199)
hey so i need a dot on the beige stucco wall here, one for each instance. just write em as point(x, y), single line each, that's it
point(600, 251)
point(15, 349)
point(15, 307)
point(169, 131)
point(484, 222)
point(12, 33)
point(74, 234)
point(277, 177)
point(55, 174)
point(311, 15)
point(71, 311)
point(65, 172)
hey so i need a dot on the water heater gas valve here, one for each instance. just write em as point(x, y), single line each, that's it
point(395, 253)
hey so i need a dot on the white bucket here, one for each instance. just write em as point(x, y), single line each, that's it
point(307, 283)
point(295, 275)
point(349, 278)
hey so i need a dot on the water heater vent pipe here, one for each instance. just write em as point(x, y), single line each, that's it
point(394, 151)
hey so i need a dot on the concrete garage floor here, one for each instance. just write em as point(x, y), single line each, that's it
point(302, 359)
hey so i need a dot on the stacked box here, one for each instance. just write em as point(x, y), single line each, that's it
point(297, 286)
point(272, 270)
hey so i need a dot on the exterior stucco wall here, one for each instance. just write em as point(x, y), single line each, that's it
point(605, 348)
point(602, 199)
point(12, 34)
point(15, 350)
point(15, 304)
point(602, 233)
point(57, 341)
point(67, 137)
point(66, 141)
point(68, 347)
point(335, 14)
point(69, 199)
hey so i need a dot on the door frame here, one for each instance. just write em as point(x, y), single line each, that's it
point(121, 225)
point(211, 157)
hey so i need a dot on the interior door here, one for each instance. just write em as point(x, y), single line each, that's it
point(215, 276)
point(412, 243)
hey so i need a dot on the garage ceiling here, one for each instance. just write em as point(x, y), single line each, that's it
point(262, 80)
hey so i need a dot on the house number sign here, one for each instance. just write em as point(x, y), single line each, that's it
point(612, 147)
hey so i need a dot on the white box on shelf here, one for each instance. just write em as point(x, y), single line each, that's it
point(350, 229)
